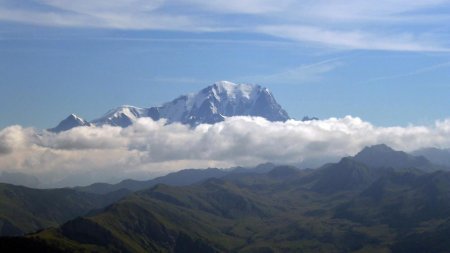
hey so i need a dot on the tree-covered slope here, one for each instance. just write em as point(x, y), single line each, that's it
point(342, 207)
point(24, 210)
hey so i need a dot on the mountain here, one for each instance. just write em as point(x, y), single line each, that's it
point(69, 123)
point(307, 118)
point(433, 239)
point(402, 200)
point(179, 178)
point(24, 210)
point(18, 178)
point(210, 105)
point(123, 116)
point(379, 156)
point(435, 155)
point(346, 175)
point(364, 209)
point(246, 213)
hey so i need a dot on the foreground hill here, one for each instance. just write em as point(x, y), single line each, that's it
point(24, 210)
point(342, 207)
point(360, 204)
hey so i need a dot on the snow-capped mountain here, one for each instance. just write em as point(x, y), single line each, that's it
point(69, 123)
point(122, 116)
point(223, 99)
point(210, 105)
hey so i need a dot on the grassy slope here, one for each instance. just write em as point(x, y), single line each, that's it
point(24, 210)
point(284, 210)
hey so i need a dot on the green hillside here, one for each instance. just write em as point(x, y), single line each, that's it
point(24, 210)
point(341, 207)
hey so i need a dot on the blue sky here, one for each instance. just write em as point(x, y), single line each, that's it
point(387, 62)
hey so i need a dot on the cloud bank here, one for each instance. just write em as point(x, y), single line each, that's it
point(148, 148)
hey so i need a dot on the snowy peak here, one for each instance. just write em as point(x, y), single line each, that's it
point(231, 91)
point(68, 123)
point(208, 106)
point(122, 116)
point(223, 99)
point(75, 117)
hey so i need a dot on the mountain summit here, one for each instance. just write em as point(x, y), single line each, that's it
point(69, 123)
point(381, 155)
point(223, 99)
point(210, 105)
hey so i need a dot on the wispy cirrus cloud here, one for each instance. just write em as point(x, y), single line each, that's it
point(301, 74)
point(355, 39)
point(129, 14)
point(305, 73)
point(411, 73)
point(254, 7)
point(354, 24)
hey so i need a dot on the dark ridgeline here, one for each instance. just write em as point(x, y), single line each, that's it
point(360, 204)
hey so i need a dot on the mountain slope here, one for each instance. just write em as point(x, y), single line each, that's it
point(435, 155)
point(179, 178)
point(24, 210)
point(69, 123)
point(346, 175)
point(275, 212)
point(402, 200)
point(342, 207)
point(122, 116)
point(210, 105)
point(382, 156)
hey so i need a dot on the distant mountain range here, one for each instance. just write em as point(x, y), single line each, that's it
point(179, 178)
point(378, 157)
point(380, 200)
point(210, 105)
point(383, 156)
point(435, 155)
point(17, 178)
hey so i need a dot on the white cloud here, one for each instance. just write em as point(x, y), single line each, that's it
point(148, 148)
point(13, 138)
